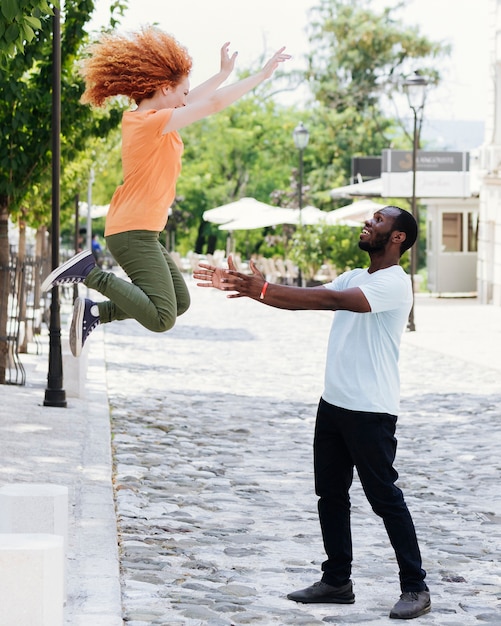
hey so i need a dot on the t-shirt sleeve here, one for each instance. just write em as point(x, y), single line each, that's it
point(343, 280)
point(157, 120)
point(387, 291)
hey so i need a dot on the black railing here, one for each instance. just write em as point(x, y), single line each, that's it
point(26, 311)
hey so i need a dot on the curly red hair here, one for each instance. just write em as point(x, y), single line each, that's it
point(133, 65)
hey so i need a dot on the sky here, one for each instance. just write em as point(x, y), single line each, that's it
point(255, 27)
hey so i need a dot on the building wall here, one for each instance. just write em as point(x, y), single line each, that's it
point(452, 265)
point(489, 242)
point(489, 235)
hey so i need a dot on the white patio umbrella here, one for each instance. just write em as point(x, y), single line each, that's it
point(353, 214)
point(308, 216)
point(273, 217)
point(244, 207)
point(369, 188)
point(350, 215)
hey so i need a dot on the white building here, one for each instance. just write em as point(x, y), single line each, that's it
point(489, 231)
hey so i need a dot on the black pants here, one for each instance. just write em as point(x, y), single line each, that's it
point(344, 440)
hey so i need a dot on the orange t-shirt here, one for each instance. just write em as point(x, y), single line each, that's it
point(151, 163)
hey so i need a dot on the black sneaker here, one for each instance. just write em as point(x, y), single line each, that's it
point(85, 319)
point(411, 604)
point(74, 270)
point(322, 593)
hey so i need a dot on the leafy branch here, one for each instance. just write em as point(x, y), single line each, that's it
point(20, 20)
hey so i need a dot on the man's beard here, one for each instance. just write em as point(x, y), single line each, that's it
point(376, 245)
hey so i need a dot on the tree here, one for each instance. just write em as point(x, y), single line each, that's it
point(245, 150)
point(356, 66)
point(25, 123)
point(312, 246)
point(360, 55)
point(356, 69)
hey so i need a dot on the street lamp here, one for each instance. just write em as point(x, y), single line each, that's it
point(415, 88)
point(54, 393)
point(301, 137)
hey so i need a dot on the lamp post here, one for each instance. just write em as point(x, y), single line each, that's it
point(301, 137)
point(54, 393)
point(415, 88)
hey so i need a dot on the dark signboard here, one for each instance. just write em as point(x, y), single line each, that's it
point(426, 161)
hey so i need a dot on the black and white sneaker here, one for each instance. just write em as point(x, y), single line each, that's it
point(85, 319)
point(74, 270)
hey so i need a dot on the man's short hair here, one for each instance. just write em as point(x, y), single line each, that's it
point(406, 223)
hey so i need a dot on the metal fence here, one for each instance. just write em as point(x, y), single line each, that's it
point(27, 309)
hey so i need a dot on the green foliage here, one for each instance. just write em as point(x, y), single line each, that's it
point(358, 58)
point(312, 246)
point(360, 54)
point(268, 242)
point(344, 252)
point(26, 119)
point(307, 250)
point(105, 153)
point(20, 23)
point(245, 150)
point(335, 138)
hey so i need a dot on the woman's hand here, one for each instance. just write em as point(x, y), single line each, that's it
point(274, 62)
point(211, 275)
point(249, 285)
point(231, 279)
point(227, 61)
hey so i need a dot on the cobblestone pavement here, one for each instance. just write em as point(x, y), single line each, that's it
point(212, 436)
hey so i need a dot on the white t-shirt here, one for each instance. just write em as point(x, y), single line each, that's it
point(361, 372)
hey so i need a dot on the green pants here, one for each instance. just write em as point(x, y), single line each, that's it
point(157, 294)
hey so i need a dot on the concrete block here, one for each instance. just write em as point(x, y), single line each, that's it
point(74, 371)
point(31, 580)
point(34, 508)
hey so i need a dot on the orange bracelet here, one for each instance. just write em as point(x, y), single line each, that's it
point(263, 291)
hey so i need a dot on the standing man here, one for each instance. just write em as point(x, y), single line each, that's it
point(357, 413)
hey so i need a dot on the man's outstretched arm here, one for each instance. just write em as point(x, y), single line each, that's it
point(287, 297)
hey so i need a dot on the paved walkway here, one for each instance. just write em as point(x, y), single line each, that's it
point(70, 447)
point(212, 430)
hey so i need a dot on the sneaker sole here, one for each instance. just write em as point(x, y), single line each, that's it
point(47, 283)
point(76, 327)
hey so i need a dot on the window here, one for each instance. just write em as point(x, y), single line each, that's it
point(453, 232)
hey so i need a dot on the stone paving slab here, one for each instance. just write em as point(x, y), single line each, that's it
point(212, 439)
